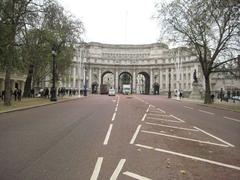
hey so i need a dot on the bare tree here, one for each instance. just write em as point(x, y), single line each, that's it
point(210, 27)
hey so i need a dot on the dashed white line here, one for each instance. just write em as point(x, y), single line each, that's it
point(108, 135)
point(118, 169)
point(135, 134)
point(188, 107)
point(97, 169)
point(206, 112)
point(177, 118)
point(116, 108)
point(144, 116)
point(183, 138)
point(219, 139)
point(192, 157)
point(114, 115)
point(233, 119)
point(174, 127)
point(135, 176)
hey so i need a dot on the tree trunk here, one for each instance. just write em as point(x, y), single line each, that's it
point(7, 95)
point(28, 87)
point(207, 98)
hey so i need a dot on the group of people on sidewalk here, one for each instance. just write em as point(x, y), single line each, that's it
point(16, 93)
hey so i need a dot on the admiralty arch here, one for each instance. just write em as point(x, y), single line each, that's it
point(148, 68)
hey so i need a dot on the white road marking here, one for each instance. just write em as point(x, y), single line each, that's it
point(159, 119)
point(135, 176)
point(116, 109)
point(219, 139)
point(144, 146)
point(152, 106)
point(153, 114)
point(135, 134)
point(97, 169)
point(108, 135)
point(156, 111)
point(114, 115)
point(188, 107)
point(237, 120)
point(206, 112)
point(174, 127)
point(183, 138)
point(193, 157)
point(147, 109)
point(177, 118)
point(161, 110)
point(143, 118)
point(118, 169)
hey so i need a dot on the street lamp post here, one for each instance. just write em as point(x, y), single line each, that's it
point(53, 89)
point(169, 83)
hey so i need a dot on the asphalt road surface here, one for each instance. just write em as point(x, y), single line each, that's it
point(120, 137)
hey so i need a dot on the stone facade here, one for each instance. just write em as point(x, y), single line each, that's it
point(153, 66)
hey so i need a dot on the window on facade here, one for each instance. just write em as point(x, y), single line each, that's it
point(184, 76)
point(189, 85)
point(175, 77)
point(184, 85)
point(175, 86)
point(164, 77)
point(189, 76)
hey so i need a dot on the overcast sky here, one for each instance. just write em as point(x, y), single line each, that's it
point(116, 21)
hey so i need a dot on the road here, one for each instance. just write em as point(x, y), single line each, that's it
point(120, 137)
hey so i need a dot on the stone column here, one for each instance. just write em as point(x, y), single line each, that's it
point(160, 79)
point(134, 81)
point(116, 80)
point(99, 78)
point(90, 77)
point(151, 81)
point(74, 76)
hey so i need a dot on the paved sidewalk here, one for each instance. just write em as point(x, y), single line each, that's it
point(231, 106)
point(28, 103)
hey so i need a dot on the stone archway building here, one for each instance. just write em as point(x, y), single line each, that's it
point(156, 61)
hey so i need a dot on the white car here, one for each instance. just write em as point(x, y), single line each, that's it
point(111, 92)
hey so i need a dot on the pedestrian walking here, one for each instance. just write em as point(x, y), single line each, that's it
point(19, 94)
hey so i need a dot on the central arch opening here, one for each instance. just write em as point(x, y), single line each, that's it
point(125, 78)
point(107, 82)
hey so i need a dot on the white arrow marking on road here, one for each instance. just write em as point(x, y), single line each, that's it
point(135, 134)
point(188, 107)
point(118, 169)
point(97, 169)
point(108, 135)
point(135, 176)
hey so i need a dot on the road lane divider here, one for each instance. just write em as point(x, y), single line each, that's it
point(219, 139)
point(148, 109)
point(97, 168)
point(114, 115)
point(135, 134)
point(191, 157)
point(135, 176)
point(183, 138)
point(118, 169)
point(144, 116)
point(108, 135)
point(233, 119)
point(174, 127)
point(206, 112)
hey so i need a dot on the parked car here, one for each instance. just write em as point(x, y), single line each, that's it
point(111, 92)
